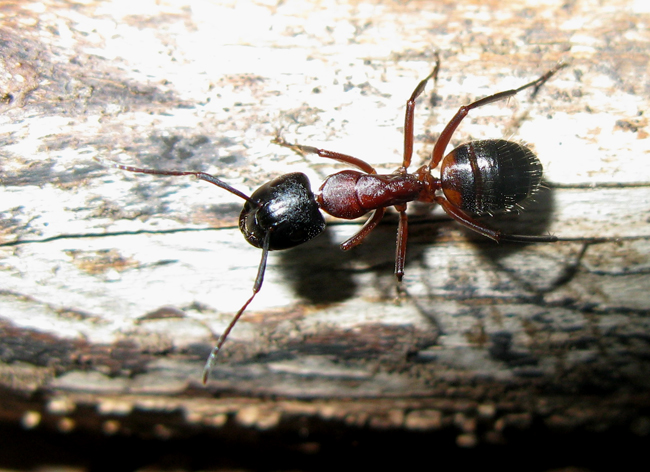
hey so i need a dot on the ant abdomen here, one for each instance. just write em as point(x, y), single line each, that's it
point(284, 208)
point(490, 176)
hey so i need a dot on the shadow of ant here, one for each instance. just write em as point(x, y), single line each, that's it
point(321, 273)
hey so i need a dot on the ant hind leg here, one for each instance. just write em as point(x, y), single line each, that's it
point(445, 136)
point(478, 227)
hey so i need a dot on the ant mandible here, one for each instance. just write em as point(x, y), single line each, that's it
point(477, 178)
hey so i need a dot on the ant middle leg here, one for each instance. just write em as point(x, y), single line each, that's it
point(410, 112)
point(445, 136)
point(402, 237)
point(409, 119)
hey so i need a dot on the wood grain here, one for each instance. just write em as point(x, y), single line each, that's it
point(113, 286)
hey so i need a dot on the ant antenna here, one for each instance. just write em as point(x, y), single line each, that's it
point(212, 358)
point(259, 279)
point(199, 175)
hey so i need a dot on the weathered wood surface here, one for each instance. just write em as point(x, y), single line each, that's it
point(113, 286)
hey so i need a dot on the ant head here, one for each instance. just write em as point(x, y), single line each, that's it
point(286, 208)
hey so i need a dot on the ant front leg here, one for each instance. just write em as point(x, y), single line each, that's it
point(447, 133)
point(376, 216)
point(302, 149)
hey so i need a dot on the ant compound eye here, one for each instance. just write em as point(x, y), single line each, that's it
point(285, 207)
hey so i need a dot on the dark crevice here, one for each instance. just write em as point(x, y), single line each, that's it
point(110, 234)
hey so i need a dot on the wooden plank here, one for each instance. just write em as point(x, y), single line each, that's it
point(115, 285)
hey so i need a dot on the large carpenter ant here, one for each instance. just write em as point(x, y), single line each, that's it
point(477, 178)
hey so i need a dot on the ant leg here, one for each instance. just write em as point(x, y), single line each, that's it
point(402, 236)
point(410, 110)
point(365, 230)
point(212, 359)
point(445, 136)
point(301, 149)
point(469, 222)
point(377, 215)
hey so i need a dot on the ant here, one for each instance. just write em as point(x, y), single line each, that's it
point(476, 178)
